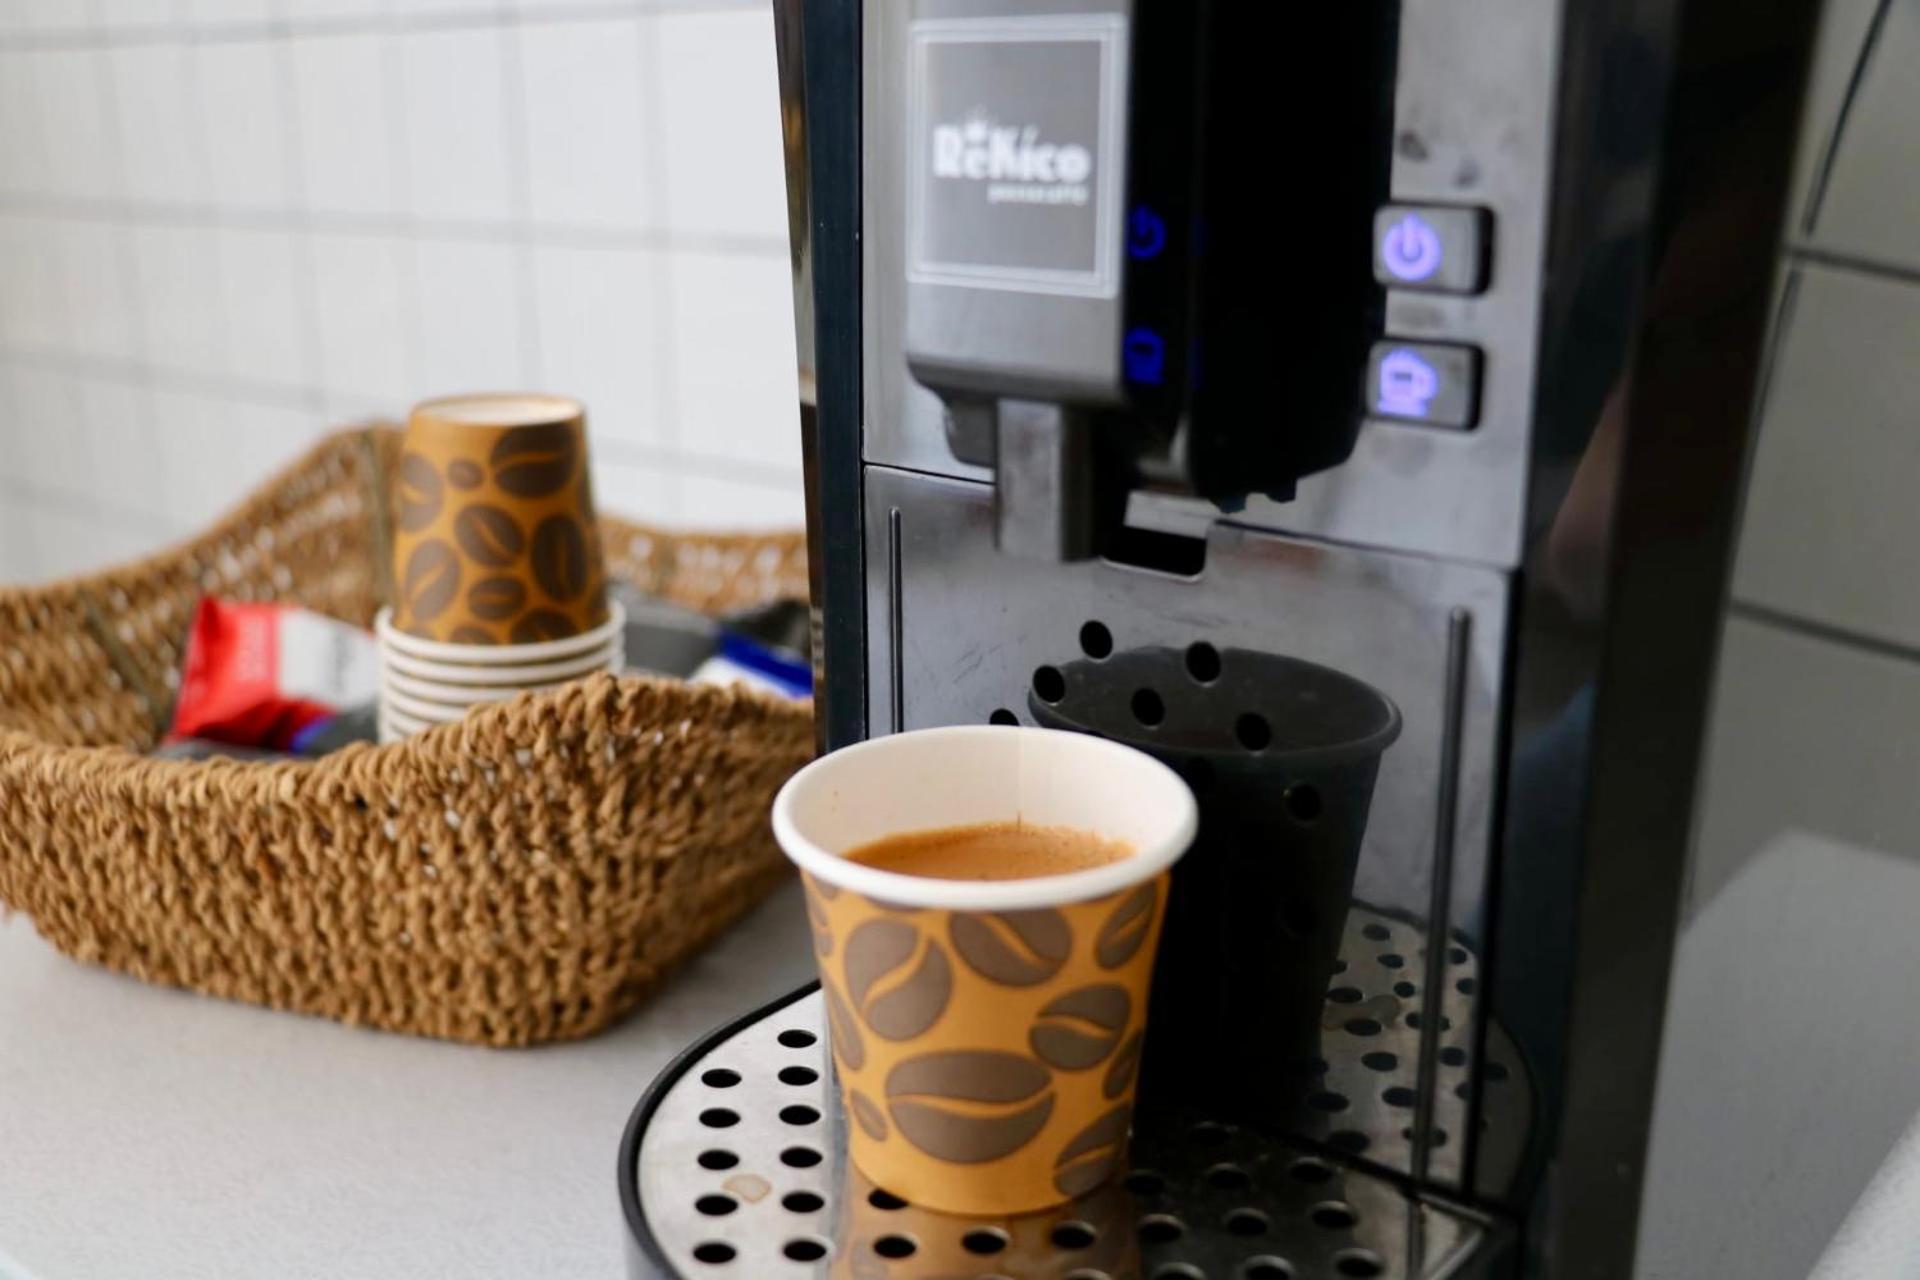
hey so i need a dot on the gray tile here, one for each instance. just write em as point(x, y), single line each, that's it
point(1844, 26)
point(1831, 522)
point(1872, 203)
point(1808, 736)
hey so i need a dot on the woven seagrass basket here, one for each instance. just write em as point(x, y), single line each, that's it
point(524, 875)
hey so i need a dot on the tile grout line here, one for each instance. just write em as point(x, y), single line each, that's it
point(513, 91)
point(556, 235)
point(658, 204)
point(1813, 629)
point(268, 395)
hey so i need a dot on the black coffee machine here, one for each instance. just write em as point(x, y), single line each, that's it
point(1346, 403)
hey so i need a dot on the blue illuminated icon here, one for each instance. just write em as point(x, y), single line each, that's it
point(1411, 248)
point(1408, 385)
point(1145, 354)
point(1146, 232)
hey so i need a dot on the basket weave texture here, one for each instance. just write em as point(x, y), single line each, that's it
point(524, 875)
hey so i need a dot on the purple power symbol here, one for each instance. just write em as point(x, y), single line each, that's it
point(1407, 385)
point(1411, 248)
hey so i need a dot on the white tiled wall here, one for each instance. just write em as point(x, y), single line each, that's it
point(229, 225)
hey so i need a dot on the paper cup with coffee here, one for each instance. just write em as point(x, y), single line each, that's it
point(495, 541)
point(986, 903)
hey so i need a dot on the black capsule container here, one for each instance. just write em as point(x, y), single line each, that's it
point(1282, 755)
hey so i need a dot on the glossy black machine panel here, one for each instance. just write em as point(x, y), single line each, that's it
point(1181, 369)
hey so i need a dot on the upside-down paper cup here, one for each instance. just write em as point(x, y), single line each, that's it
point(495, 540)
point(987, 1034)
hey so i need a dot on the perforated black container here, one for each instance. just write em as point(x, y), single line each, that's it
point(1282, 755)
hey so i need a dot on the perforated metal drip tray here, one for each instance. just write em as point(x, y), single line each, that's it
point(734, 1165)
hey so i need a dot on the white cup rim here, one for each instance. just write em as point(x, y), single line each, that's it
point(1149, 859)
point(422, 712)
point(610, 658)
point(500, 655)
point(463, 695)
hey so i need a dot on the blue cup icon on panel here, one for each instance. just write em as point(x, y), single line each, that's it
point(1411, 249)
point(1408, 385)
point(1146, 232)
point(1144, 353)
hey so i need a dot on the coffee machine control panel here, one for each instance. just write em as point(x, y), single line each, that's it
point(1104, 267)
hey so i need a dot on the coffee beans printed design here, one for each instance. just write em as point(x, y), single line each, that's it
point(817, 920)
point(1081, 1029)
point(1125, 931)
point(430, 581)
point(898, 979)
point(843, 1031)
point(969, 1105)
point(488, 535)
point(560, 558)
point(496, 599)
point(541, 624)
point(1093, 1155)
point(531, 462)
point(496, 548)
point(1125, 1066)
point(867, 1114)
point(929, 1076)
point(1013, 948)
point(418, 495)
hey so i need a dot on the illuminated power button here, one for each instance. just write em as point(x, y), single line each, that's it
point(1439, 247)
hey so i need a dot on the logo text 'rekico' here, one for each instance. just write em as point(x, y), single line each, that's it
point(1016, 165)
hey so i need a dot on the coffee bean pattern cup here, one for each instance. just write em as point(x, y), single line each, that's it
point(986, 1034)
point(494, 533)
point(987, 1059)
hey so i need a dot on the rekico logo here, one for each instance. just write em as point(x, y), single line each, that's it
point(1016, 165)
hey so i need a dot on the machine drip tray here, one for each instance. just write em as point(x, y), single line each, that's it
point(734, 1165)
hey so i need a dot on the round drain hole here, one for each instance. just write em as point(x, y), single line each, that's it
point(802, 1202)
point(717, 1159)
point(1363, 1026)
point(1049, 685)
point(798, 1075)
point(1454, 1056)
point(1147, 707)
point(716, 1206)
point(720, 1078)
point(1161, 1228)
point(1358, 1262)
point(1073, 1235)
point(1405, 990)
point(1253, 731)
point(719, 1118)
point(1379, 1060)
point(1310, 1171)
point(1095, 640)
point(1346, 995)
point(1375, 932)
point(1247, 1222)
point(895, 1246)
point(1398, 1096)
point(713, 1252)
point(984, 1241)
point(1203, 662)
point(1229, 1177)
point(1393, 960)
point(1327, 1100)
point(805, 1249)
point(885, 1200)
point(1465, 986)
point(1144, 1182)
point(795, 1038)
point(1334, 1215)
point(800, 1157)
point(1349, 1140)
point(1265, 1269)
point(1003, 716)
point(1178, 1271)
point(799, 1113)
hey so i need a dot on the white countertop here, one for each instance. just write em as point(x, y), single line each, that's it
point(151, 1134)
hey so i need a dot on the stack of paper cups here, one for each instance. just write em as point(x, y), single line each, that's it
point(498, 583)
point(428, 682)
